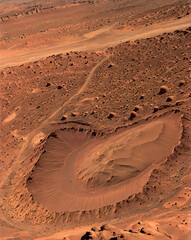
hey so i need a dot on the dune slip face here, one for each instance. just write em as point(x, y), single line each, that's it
point(80, 171)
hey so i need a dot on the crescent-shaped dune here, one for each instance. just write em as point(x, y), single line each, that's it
point(79, 172)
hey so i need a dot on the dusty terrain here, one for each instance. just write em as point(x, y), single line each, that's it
point(95, 120)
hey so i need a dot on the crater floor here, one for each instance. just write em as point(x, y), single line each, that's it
point(78, 172)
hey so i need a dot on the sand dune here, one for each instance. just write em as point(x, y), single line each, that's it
point(78, 172)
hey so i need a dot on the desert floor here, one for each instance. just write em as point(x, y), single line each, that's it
point(95, 101)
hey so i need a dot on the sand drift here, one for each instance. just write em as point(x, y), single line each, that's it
point(82, 170)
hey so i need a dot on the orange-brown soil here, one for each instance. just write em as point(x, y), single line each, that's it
point(95, 143)
point(63, 27)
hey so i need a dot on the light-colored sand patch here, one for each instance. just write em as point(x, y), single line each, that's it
point(86, 101)
point(10, 118)
point(35, 90)
point(38, 138)
point(98, 32)
point(15, 133)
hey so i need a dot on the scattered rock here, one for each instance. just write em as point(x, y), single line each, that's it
point(53, 135)
point(170, 99)
point(144, 232)
point(95, 229)
point(4, 73)
point(182, 82)
point(104, 227)
point(155, 109)
point(64, 117)
point(74, 114)
point(111, 115)
point(87, 236)
point(178, 103)
point(163, 90)
point(142, 96)
point(137, 108)
point(132, 115)
point(164, 106)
